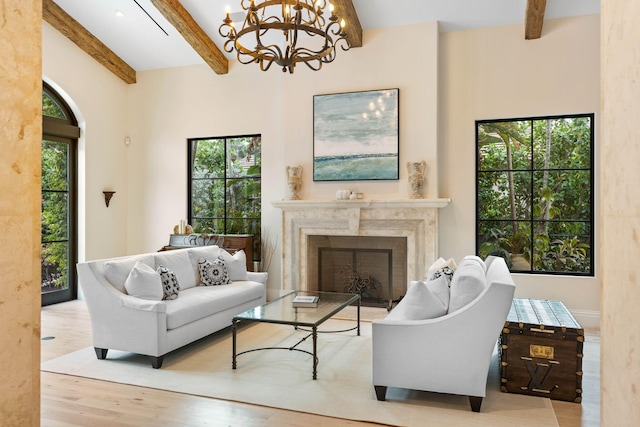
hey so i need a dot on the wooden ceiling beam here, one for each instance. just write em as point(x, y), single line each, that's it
point(345, 10)
point(178, 16)
point(534, 19)
point(61, 21)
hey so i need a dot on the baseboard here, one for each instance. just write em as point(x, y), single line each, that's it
point(588, 319)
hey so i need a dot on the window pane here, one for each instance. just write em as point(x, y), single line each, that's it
point(54, 264)
point(208, 159)
point(563, 247)
point(55, 216)
point(563, 195)
point(563, 143)
point(207, 197)
point(55, 158)
point(242, 226)
point(500, 234)
point(244, 157)
point(51, 108)
point(207, 204)
point(496, 200)
point(504, 146)
point(242, 197)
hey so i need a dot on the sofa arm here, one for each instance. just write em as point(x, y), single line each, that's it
point(135, 303)
point(258, 276)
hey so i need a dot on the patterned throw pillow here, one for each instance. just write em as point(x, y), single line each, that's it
point(213, 273)
point(170, 284)
point(444, 271)
point(442, 267)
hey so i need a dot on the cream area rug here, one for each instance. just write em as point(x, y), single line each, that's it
point(283, 379)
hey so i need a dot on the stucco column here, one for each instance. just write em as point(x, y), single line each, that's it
point(20, 141)
point(620, 174)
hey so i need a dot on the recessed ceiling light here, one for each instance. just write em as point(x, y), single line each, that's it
point(119, 13)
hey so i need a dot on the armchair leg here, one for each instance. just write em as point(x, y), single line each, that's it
point(101, 353)
point(156, 361)
point(381, 392)
point(475, 402)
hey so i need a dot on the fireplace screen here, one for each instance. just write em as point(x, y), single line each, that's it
point(367, 272)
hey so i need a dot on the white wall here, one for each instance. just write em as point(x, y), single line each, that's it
point(495, 73)
point(98, 99)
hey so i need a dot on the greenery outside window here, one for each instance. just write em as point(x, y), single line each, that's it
point(225, 186)
point(535, 182)
point(60, 134)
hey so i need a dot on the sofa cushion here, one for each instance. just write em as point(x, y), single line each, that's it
point(468, 282)
point(236, 264)
point(497, 271)
point(423, 300)
point(477, 259)
point(170, 284)
point(213, 273)
point(178, 261)
point(209, 252)
point(117, 271)
point(144, 282)
point(199, 302)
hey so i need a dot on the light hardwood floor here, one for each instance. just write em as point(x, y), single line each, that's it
point(75, 401)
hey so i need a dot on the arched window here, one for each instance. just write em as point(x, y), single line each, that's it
point(60, 134)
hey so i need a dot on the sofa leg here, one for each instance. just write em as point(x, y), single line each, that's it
point(156, 361)
point(475, 402)
point(381, 392)
point(101, 352)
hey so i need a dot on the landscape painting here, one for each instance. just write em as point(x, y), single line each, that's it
point(355, 136)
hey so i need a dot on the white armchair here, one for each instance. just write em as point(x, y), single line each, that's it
point(448, 354)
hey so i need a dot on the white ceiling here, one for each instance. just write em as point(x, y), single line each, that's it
point(144, 45)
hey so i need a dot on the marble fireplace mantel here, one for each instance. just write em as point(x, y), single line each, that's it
point(415, 219)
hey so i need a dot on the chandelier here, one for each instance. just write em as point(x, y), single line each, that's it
point(292, 24)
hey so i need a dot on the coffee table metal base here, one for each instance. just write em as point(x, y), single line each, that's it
point(313, 332)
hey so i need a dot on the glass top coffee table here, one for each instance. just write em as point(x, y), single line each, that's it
point(282, 311)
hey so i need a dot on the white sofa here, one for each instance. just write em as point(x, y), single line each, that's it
point(124, 322)
point(450, 353)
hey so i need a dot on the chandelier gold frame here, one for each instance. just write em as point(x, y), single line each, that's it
point(297, 17)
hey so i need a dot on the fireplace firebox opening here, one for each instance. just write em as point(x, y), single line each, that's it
point(366, 272)
point(372, 266)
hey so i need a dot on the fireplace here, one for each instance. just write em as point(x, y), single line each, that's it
point(415, 221)
point(373, 266)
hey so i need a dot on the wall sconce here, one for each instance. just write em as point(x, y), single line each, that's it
point(107, 196)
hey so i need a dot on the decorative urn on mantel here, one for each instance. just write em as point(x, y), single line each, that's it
point(416, 220)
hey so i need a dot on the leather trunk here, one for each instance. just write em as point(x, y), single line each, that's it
point(541, 351)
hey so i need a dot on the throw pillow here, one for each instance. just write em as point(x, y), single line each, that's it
point(236, 264)
point(206, 252)
point(468, 282)
point(116, 271)
point(170, 284)
point(213, 273)
point(442, 267)
point(419, 303)
point(144, 282)
point(440, 288)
